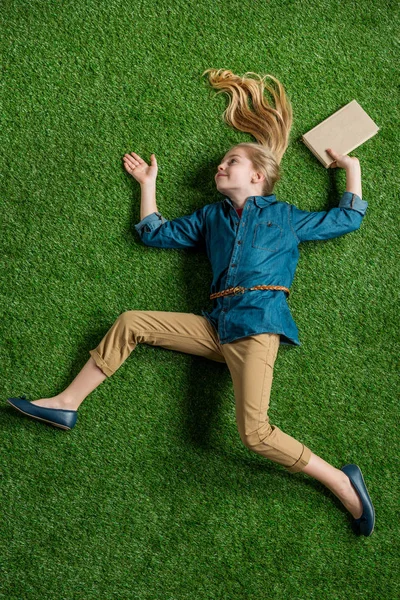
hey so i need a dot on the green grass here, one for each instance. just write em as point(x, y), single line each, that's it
point(153, 496)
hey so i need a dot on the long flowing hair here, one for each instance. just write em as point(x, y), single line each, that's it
point(270, 126)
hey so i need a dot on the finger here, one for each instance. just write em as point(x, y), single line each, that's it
point(137, 157)
point(129, 165)
point(131, 161)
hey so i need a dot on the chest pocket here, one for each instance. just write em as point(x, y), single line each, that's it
point(267, 236)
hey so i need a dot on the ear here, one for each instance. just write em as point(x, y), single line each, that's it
point(257, 177)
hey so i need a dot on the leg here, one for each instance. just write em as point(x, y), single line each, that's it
point(251, 361)
point(337, 481)
point(183, 332)
point(88, 379)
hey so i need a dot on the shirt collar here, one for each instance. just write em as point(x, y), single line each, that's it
point(260, 201)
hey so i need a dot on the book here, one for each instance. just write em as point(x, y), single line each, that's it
point(343, 131)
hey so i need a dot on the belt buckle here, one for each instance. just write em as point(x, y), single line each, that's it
point(238, 290)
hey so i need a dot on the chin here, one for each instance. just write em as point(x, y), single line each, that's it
point(219, 181)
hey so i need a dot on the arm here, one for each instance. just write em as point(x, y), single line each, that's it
point(347, 217)
point(146, 175)
point(183, 232)
point(353, 179)
point(154, 230)
point(148, 199)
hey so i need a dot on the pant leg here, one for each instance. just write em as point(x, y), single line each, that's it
point(183, 332)
point(251, 361)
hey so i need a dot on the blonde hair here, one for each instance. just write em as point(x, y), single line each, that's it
point(270, 126)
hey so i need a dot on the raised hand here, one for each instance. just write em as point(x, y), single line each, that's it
point(139, 169)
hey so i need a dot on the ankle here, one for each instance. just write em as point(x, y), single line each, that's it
point(67, 402)
point(344, 483)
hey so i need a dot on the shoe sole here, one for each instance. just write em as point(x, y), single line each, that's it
point(40, 419)
point(373, 524)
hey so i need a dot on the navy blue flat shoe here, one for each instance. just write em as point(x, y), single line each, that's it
point(365, 524)
point(64, 419)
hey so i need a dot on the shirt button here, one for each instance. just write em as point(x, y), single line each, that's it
point(240, 241)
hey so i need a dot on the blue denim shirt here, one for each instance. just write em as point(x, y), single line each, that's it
point(260, 248)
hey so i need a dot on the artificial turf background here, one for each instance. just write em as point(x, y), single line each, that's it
point(152, 495)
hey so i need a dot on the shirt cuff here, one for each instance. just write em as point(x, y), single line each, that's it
point(150, 222)
point(350, 200)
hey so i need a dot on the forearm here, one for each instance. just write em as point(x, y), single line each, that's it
point(353, 179)
point(148, 199)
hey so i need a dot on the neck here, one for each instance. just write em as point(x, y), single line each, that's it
point(239, 203)
point(239, 199)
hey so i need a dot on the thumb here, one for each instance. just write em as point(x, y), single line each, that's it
point(153, 158)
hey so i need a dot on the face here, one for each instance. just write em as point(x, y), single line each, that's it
point(235, 172)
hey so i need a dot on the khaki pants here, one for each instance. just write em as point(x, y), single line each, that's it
point(250, 361)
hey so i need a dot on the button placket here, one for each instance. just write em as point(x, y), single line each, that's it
point(236, 249)
point(232, 275)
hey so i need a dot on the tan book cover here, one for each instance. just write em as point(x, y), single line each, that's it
point(343, 131)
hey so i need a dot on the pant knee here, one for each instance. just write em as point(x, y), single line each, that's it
point(129, 321)
point(123, 330)
point(127, 317)
point(253, 440)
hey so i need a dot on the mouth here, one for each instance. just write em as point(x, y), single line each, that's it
point(220, 175)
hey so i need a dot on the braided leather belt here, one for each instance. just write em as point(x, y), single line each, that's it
point(240, 290)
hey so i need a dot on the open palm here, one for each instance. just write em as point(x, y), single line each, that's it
point(139, 169)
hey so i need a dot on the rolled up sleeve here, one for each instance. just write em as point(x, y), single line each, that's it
point(150, 223)
point(323, 225)
point(182, 232)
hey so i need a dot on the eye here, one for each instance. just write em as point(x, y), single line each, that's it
point(232, 159)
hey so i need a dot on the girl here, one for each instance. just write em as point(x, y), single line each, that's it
point(251, 240)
